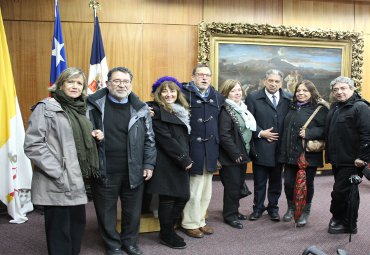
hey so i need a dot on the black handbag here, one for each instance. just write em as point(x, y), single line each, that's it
point(244, 192)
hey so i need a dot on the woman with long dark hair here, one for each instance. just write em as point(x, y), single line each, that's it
point(306, 99)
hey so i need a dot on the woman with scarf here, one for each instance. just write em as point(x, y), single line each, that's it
point(62, 146)
point(236, 149)
point(170, 177)
point(306, 99)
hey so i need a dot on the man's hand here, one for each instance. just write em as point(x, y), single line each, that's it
point(269, 136)
point(151, 111)
point(359, 162)
point(97, 134)
point(148, 173)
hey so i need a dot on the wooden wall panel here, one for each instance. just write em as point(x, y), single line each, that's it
point(337, 15)
point(76, 10)
point(173, 11)
point(362, 17)
point(30, 51)
point(172, 53)
point(246, 11)
point(366, 70)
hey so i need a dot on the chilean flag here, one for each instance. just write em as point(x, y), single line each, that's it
point(98, 61)
point(58, 55)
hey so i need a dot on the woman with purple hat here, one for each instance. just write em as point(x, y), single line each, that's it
point(170, 178)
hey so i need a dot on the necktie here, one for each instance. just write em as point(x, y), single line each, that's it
point(274, 101)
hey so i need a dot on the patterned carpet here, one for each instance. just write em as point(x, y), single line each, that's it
point(261, 237)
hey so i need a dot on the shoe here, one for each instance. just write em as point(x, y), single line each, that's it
point(288, 216)
point(242, 216)
point(172, 241)
point(116, 251)
point(334, 222)
point(195, 233)
point(255, 216)
point(274, 216)
point(340, 229)
point(207, 230)
point(234, 224)
point(132, 250)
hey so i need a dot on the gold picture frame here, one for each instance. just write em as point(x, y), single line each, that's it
point(317, 55)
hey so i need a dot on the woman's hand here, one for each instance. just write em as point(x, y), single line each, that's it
point(359, 162)
point(239, 160)
point(302, 133)
point(97, 134)
point(147, 174)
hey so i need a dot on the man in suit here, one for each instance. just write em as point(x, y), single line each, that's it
point(269, 107)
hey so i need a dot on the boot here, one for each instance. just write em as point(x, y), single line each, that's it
point(288, 216)
point(304, 217)
point(168, 237)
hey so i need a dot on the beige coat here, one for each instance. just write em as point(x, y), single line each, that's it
point(49, 143)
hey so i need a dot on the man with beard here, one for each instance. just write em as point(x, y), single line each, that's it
point(127, 158)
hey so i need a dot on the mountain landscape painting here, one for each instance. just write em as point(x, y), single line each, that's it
point(249, 62)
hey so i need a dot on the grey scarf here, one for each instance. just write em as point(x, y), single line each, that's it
point(182, 114)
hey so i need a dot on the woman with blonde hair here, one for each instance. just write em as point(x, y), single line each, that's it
point(236, 149)
point(60, 143)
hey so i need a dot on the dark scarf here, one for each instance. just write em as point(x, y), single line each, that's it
point(85, 144)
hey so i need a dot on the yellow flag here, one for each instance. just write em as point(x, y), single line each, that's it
point(16, 171)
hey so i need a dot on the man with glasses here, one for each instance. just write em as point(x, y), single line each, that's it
point(347, 149)
point(205, 103)
point(269, 107)
point(127, 159)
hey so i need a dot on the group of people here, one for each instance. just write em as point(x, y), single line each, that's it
point(174, 144)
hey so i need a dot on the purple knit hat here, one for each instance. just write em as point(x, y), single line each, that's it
point(163, 79)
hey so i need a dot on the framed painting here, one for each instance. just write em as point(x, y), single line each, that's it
point(246, 51)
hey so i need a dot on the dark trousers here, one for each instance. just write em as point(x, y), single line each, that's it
point(64, 226)
point(169, 212)
point(340, 194)
point(232, 177)
point(105, 201)
point(290, 174)
point(260, 176)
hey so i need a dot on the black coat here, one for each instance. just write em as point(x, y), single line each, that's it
point(266, 117)
point(204, 137)
point(172, 141)
point(291, 145)
point(231, 140)
point(348, 132)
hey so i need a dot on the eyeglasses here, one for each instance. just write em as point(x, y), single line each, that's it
point(203, 75)
point(119, 82)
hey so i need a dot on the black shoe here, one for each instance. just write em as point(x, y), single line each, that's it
point(334, 222)
point(274, 216)
point(171, 240)
point(340, 229)
point(255, 216)
point(116, 251)
point(234, 224)
point(132, 250)
point(242, 216)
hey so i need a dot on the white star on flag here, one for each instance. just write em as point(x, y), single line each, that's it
point(56, 51)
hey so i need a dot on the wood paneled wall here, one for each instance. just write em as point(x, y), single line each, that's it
point(152, 37)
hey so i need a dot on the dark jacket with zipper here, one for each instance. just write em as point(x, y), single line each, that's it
point(231, 140)
point(204, 137)
point(348, 132)
point(291, 145)
point(140, 139)
point(172, 140)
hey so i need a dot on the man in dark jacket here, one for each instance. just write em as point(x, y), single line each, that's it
point(347, 148)
point(205, 104)
point(127, 158)
point(269, 107)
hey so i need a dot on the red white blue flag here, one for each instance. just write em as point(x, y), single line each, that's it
point(58, 55)
point(98, 62)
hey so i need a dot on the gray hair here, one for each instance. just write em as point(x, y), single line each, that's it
point(343, 79)
point(70, 72)
point(274, 71)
